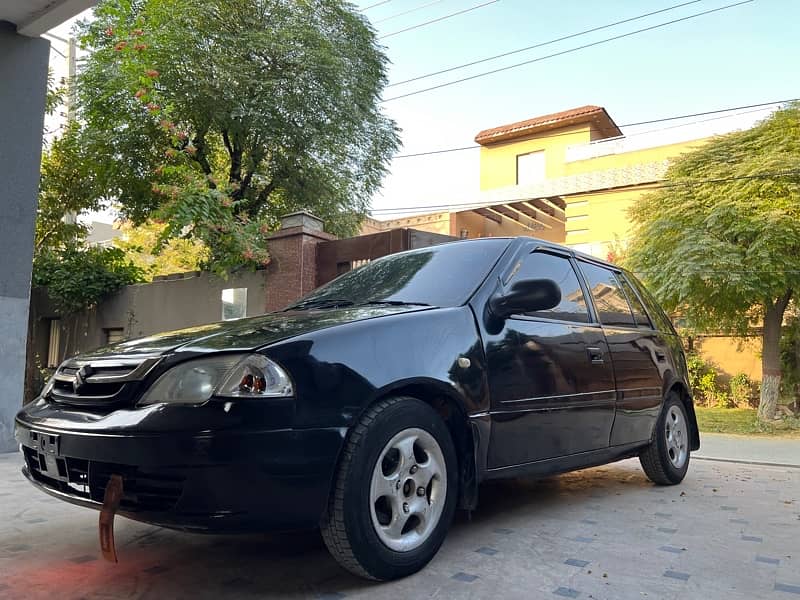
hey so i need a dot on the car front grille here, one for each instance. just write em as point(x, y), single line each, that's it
point(143, 490)
point(106, 382)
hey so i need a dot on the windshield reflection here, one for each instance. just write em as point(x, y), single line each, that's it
point(444, 275)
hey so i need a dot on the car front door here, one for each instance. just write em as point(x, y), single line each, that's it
point(640, 354)
point(550, 374)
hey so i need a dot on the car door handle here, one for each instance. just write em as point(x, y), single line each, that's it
point(660, 356)
point(595, 355)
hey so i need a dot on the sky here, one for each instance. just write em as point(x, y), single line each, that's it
point(743, 55)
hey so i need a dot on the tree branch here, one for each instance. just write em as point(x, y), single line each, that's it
point(263, 196)
point(236, 165)
point(201, 157)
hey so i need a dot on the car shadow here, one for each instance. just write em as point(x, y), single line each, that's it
point(160, 563)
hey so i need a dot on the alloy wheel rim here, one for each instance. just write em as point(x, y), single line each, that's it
point(677, 437)
point(408, 490)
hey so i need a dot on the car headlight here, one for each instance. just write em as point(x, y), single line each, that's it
point(227, 376)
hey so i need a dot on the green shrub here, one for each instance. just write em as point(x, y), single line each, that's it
point(742, 388)
point(722, 399)
point(78, 278)
point(702, 380)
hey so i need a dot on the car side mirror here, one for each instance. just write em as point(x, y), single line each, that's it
point(528, 295)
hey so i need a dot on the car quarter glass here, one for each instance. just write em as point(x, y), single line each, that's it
point(660, 318)
point(639, 312)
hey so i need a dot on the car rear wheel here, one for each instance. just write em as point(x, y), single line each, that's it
point(394, 493)
point(666, 460)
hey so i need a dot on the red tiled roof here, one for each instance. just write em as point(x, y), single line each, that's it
point(584, 114)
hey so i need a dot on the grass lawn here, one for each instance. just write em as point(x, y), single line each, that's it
point(743, 421)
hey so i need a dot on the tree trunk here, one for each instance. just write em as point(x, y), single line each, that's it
point(771, 357)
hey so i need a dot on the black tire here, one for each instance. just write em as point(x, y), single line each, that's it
point(347, 527)
point(656, 459)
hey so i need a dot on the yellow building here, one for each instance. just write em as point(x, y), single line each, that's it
point(581, 158)
point(568, 177)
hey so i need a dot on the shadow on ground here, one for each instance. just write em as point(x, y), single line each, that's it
point(728, 531)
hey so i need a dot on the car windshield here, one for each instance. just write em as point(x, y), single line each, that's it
point(444, 275)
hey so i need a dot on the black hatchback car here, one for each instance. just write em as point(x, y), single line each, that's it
point(374, 407)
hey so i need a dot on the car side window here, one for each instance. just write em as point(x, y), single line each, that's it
point(609, 299)
point(639, 313)
point(543, 265)
point(660, 318)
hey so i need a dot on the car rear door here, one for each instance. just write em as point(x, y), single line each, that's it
point(550, 374)
point(639, 353)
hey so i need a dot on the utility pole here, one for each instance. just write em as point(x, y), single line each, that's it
point(70, 218)
point(72, 62)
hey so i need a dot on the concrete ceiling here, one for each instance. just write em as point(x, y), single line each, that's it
point(34, 17)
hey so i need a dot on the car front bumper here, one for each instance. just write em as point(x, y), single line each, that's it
point(231, 481)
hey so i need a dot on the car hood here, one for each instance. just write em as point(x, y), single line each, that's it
point(245, 334)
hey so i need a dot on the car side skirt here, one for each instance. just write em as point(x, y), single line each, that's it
point(572, 462)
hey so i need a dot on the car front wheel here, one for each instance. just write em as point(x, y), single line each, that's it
point(666, 460)
point(394, 493)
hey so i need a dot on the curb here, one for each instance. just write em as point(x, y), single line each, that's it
point(747, 462)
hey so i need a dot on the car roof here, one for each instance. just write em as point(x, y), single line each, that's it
point(551, 245)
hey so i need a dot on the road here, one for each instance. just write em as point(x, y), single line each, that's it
point(730, 531)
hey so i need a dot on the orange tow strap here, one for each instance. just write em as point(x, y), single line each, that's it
point(111, 501)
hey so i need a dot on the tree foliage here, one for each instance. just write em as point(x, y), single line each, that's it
point(78, 277)
point(720, 242)
point(176, 256)
point(66, 191)
point(217, 116)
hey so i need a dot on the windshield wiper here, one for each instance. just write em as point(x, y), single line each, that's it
point(392, 303)
point(322, 303)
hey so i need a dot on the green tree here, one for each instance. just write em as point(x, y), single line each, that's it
point(720, 242)
point(142, 246)
point(217, 116)
point(66, 191)
point(77, 276)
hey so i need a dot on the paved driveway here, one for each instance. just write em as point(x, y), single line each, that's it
point(729, 531)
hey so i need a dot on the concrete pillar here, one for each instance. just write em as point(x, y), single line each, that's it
point(293, 258)
point(23, 85)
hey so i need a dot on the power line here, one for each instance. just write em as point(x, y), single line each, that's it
point(567, 51)
point(541, 44)
point(406, 12)
point(455, 14)
point(687, 183)
point(660, 120)
point(375, 4)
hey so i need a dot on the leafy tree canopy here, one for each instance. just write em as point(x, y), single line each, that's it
point(176, 256)
point(720, 242)
point(77, 276)
point(217, 116)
